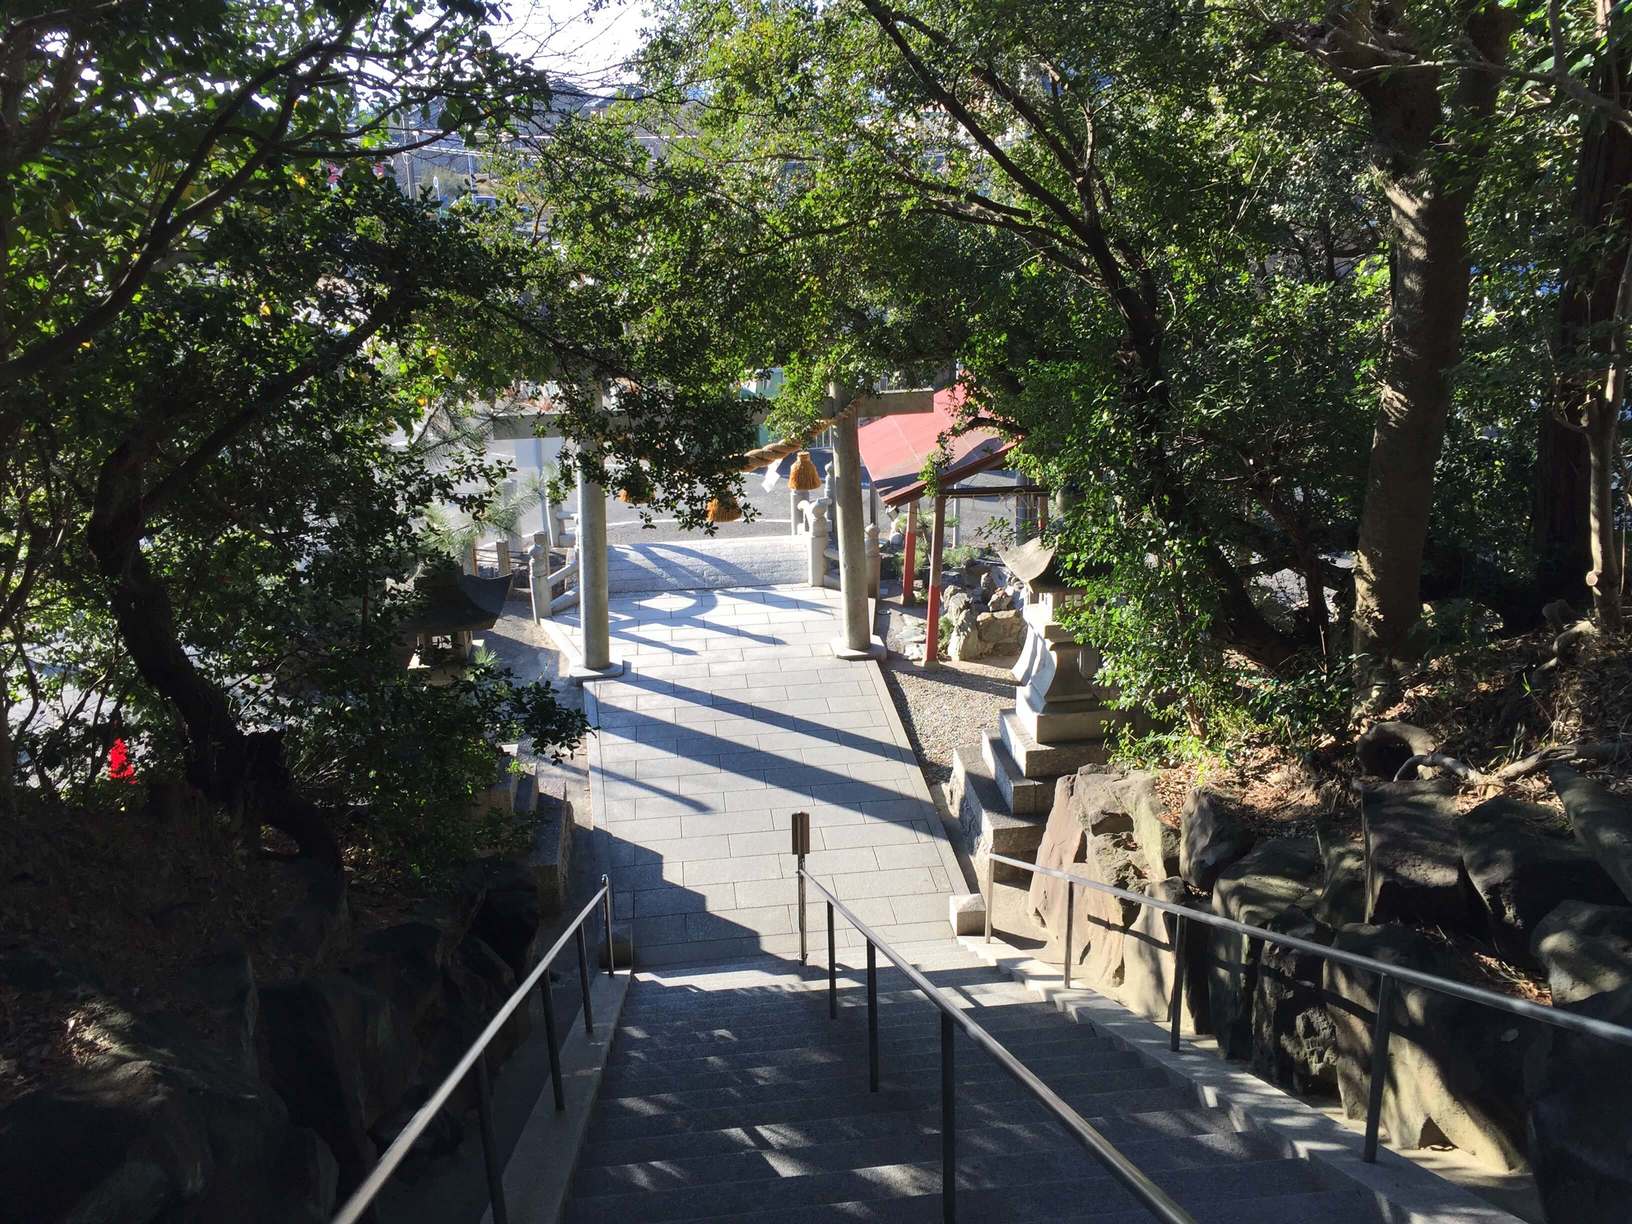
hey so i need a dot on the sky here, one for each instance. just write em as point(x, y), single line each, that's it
point(587, 40)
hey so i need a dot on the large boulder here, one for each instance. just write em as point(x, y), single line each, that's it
point(341, 1056)
point(1580, 1131)
point(1586, 950)
point(1102, 921)
point(1414, 856)
point(1343, 894)
point(511, 915)
point(154, 1125)
point(1273, 877)
point(1523, 875)
point(1148, 963)
point(1211, 837)
point(1294, 1044)
point(1385, 746)
point(1601, 819)
point(1158, 840)
point(1457, 1072)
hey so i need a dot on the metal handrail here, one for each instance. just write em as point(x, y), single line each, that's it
point(1387, 975)
point(364, 1195)
point(1150, 1195)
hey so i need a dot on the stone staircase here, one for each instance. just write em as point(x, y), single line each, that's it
point(730, 1095)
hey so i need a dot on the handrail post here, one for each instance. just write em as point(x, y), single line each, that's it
point(1070, 914)
point(550, 1040)
point(490, 1143)
point(832, 969)
point(1382, 1025)
point(611, 956)
point(991, 889)
point(949, 1126)
point(801, 847)
point(872, 1016)
point(583, 978)
point(1180, 936)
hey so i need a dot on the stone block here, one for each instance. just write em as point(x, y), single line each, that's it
point(1602, 821)
point(967, 913)
point(1414, 857)
point(1586, 950)
point(1211, 837)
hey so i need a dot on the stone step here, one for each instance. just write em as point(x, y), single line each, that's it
point(1024, 796)
point(1057, 1201)
point(1157, 1096)
point(1022, 1121)
point(1002, 1173)
point(984, 816)
point(909, 1145)
point(1058, 1058)
point(908, 1049)
point(971, 1071)
point(1046, 760)
point(810, 1019)
point(893, 992)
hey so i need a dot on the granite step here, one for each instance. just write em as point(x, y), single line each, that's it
point(908, 1145)
point(1153, 1097)
point(1027, 1121)
point(999, 1174)
point(852, 1071)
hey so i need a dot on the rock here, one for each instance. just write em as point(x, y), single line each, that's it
point(1602, 821)
point(1211, 837)
point(1457, 1071)
point(224, 986)
point(1094, 800)
point(967, 912)
point(319, 918)
point(1001, 630)
point(988, 582)
point(340, 1056)
point(1102, 921)
point(1061, 847)
point(1580, 1135)
point(1147, 962)
point(404, 964)
point(1294, 1044)
point(511, 915)
point(955, 606)
point(1158, 840)
point(1000, 601)
point(1586, 950)
point(1414, 857)
point(1274, 876)
point(1523, 875)
point(157, 1126)
point(1343, 895)
point(1383, 747)
point(965, 645)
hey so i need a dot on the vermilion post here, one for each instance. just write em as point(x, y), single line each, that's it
point(932, 610)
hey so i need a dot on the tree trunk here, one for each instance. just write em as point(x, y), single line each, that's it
point(1431, 157)
point(1430, 295)
point(244, 773)
point(1588, 287)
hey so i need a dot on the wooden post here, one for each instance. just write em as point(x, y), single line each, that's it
point(932, 611)
point(909, 553)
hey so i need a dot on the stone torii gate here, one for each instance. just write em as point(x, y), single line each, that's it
point(844, 409)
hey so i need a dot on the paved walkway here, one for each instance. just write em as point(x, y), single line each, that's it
point(692, 564)
point(732, 715)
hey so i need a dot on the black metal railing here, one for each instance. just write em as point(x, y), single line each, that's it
point(476, 1058)
point(1387, 974)
point(1149, 1195)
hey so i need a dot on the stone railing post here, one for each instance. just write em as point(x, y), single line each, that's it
point(816, 522)
point(501, 553)
point(875, 561)
point(538, 580)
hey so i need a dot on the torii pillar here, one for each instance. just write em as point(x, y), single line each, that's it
point(856, 642)
point(594, 615)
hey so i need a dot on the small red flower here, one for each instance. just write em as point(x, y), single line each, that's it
point(119, 767)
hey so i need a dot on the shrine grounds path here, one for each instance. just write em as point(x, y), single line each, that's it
point(731, 715)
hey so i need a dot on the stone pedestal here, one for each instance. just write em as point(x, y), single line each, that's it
point(1058, 724)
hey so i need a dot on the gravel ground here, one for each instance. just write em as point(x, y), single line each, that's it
point(949, 708)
